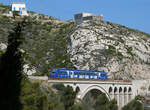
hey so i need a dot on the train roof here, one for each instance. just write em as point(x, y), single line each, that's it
point(65, 69)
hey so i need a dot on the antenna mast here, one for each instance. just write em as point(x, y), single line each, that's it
point(40, 9)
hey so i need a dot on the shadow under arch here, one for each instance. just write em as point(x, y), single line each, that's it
point(110, 90)
point(130, 90)
point(125, 90)
point(120, 90)
point(115, 90)
point(95, 87)
point(77, 90)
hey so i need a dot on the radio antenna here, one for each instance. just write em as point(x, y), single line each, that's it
point(40, 9)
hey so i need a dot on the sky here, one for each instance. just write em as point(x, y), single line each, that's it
point(131, 13)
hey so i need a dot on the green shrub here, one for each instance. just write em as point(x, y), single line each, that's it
point(103, 103)
point(129, 51)
point(76, 107)
point(135, 104)
point(67, 95)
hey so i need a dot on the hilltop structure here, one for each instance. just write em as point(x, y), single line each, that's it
point(19, 8)
point(81, 17)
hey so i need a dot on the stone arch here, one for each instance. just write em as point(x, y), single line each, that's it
point(92, 88)
point(111, 92)
point(77, 90)
point(129, 93)
point(115, 90)
point(130, 90)
point(125, 90)
point(120, 90)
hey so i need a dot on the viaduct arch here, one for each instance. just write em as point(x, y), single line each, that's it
point(122, 93)
point(97, 87)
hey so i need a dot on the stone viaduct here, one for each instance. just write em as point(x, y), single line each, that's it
point(122, 91)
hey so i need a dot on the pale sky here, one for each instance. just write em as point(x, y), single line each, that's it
point(131, 13)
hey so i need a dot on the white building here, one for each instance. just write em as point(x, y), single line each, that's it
point(81, 17)
point(20, 8)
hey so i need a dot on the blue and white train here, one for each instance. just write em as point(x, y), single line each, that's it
point(80, 74)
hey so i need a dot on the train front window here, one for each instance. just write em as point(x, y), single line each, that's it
point(53, 71)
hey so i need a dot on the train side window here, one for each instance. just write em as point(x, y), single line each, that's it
point(99, 74)
point(103, 75)
point(67, 72)
point(75, 73)
point(71, 72)
point(63, 72)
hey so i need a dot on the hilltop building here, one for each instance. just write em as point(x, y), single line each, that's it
point(19, 8)
point(81, 17)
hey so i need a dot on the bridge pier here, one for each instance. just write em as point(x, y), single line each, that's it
point(120, 100)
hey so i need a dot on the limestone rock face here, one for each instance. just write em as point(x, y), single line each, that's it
point(122, 52)
point(28, 70)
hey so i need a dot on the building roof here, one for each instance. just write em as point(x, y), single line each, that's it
point(18, 3)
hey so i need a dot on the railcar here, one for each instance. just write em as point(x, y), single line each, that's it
point(80, 74)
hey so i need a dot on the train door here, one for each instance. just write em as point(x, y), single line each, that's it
point(78, 76)
point(92, 75)
point(89, 75)
point(99, 75)
point(71, 74)
point(75, 74)
point(95, 75)
point(81, 75)
point(68, 75)
point(86, 75)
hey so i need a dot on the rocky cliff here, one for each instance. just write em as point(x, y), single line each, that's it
point(122, 52)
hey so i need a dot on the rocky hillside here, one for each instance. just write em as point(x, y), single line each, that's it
point(45, 40)
point(122, 52)
point(50, 43)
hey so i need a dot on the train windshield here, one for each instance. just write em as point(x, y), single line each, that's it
point(53, 71)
